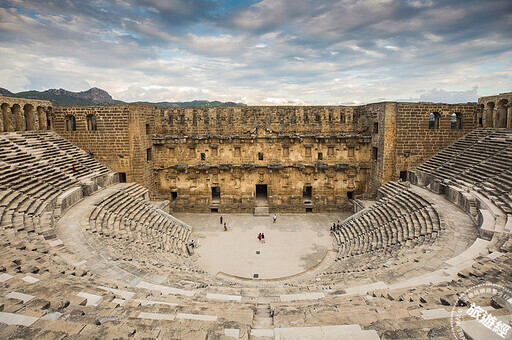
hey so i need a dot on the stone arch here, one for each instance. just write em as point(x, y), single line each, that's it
point(28, 113)
point(19, 118)
point(41, 114)
point(501, 114)
point(456, 121)
point(49, 118)
point(70, 122)
point(434, 120)
point(92, 124)
point(488, 114)
point(6, 118)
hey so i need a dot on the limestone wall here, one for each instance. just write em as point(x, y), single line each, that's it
point(285, 148)
point(180, 154)
point(416, 141)
point(288, 165)
point(111, 142)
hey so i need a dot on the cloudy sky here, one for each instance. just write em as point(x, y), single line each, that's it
point(260, 51)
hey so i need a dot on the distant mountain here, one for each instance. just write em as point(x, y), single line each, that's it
point(96, 96)
point(61, 97)
point(194, 103)
point(6, 93)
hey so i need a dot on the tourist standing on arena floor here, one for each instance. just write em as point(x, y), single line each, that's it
point(259, 237)
point(275, 218)
point(262, 238)
point(225, 227)
point(221, 220)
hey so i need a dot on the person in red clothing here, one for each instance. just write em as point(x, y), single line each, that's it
point(259, 237)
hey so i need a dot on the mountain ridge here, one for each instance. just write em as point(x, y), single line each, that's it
point(96, 96)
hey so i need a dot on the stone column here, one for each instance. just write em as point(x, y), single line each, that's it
point(509, 116)
point(7, 118)
point(42, 118)
point(488, 119)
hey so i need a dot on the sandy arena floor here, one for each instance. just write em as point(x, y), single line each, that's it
point(295, 243)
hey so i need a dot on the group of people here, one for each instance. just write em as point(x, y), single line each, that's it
point(335, 227)
point(261, 237)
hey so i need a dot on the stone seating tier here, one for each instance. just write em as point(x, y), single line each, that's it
point(398, 216)
point(126, 216)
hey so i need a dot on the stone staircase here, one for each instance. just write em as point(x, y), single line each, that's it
point(263, 321)
point(261, 211)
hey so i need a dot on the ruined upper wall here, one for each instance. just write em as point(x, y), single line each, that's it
point(243, 121)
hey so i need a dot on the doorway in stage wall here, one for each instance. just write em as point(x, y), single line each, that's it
point(403, 176)
point(261, 194)
point(307, 194)
point(215, 194)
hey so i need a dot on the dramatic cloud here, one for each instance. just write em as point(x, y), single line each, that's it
point(272, 52)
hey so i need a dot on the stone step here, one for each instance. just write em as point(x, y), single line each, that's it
point(261, 211)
